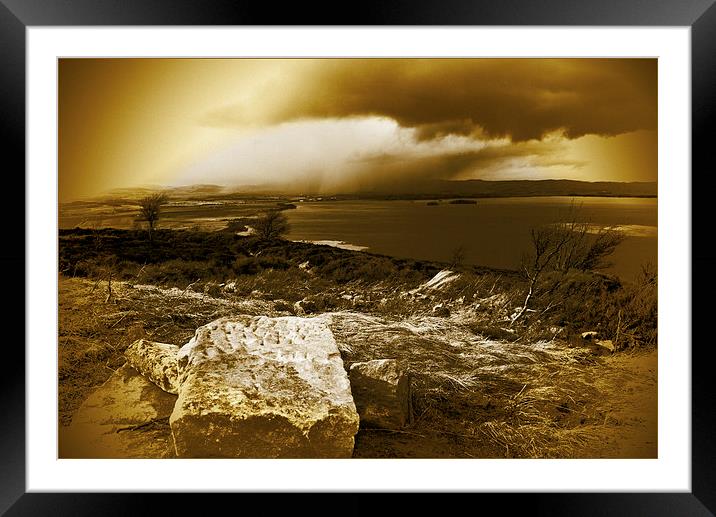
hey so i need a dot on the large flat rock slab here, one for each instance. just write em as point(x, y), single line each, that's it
point(259, 387)
point(126, 417)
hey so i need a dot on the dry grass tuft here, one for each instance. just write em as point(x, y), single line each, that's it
point(493, 399)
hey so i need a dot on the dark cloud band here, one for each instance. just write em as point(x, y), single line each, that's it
point(520, 98)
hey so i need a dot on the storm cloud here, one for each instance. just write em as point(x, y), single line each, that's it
point(518, 98)
point(346, 125)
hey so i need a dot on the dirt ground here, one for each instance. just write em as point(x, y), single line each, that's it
point(473, 397)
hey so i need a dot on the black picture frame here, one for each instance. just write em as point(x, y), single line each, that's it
point(700, 15)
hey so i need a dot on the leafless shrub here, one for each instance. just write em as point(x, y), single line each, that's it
point(271, 225)
point(571, 244)
point(150, 209)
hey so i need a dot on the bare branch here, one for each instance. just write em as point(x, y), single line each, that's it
point(149, 210)
point(271, 225)
point(571, 243)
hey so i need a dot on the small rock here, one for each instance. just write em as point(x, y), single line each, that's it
point(297, 309)
point(590, 335)
point(305, 306)
point(441, 311)
point(608, 344)
point(381, 391)
point(156, 361)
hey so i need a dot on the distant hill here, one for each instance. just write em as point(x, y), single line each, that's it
point(429, 189)
point(183, 192)
point(519, 188)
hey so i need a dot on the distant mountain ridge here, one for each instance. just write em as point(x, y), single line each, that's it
point(519, 188)
point(419, 190)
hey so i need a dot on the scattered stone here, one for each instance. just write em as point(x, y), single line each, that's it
point(382, 395)
point(297, 309)
point(590, 335)
point(607, 344)
point(441, 311)
point(259, 387)
point(126, 417)
point(156, 361)
point(305, 306)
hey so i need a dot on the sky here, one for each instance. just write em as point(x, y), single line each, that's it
point(351, 125)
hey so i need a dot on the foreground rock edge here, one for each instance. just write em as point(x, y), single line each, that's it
point(260, 387)
point(382, 393)
point(156, 361)
point(126, 417)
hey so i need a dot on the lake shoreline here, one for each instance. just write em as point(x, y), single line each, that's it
point(494, 231)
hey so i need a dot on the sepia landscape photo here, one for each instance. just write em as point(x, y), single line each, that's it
point(357, 258)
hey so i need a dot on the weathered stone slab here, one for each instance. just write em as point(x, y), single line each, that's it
point(126, 417)
point(156, 361)
point(381, 391)
point(259, 387)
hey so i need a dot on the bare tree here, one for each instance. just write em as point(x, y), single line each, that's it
point(150, 209)
point(588, 245)
point(271, 225)
point(570, 244)
point(547, 243)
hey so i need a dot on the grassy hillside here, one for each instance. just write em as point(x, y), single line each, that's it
point(225, 264)
point(474, 397)
point(483, 386)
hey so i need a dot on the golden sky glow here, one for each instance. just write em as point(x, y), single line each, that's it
point(341, 125)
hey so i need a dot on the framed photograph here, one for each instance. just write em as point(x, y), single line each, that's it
point(425, 252)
